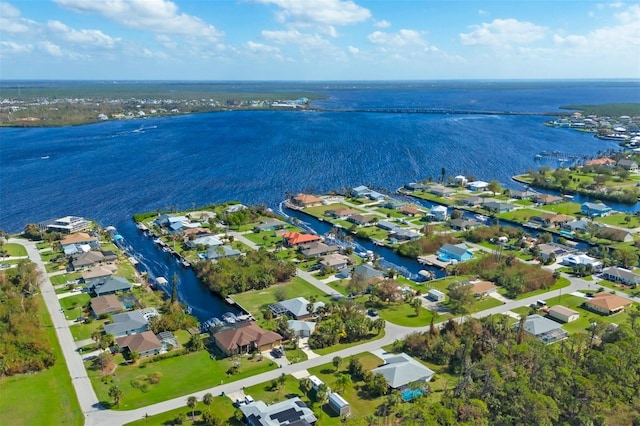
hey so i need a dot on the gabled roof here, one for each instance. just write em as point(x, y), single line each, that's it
point(106, 304)
point(458, 249)
point(625, 274)
point(613, 234)
point(400, 370)
point(111, 285)
point(125, 323)
point(78, 237)
point(608, 301)
point(562, 310)
point(294, 238)
point(246, 335)
point(141, 342)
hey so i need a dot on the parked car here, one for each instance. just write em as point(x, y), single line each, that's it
point(240, 402)
point(248, 399)
point(277, 352)
point(372, 313)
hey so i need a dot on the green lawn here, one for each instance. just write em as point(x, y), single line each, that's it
point(402, 313)
point(42, 245)
point(255, 301)
point(569, 208)
point(561, 283)
point(266, 239)
point(520, 215)
point(39, 398)
point(83, 331)
point(341, 346)
point(222, 407)
point(63, 278)
point(619, 219)
point(181, 375)
point(73, 305)
point(14, 249)
point(126, 270)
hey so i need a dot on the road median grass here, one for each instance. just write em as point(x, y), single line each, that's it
point(42, 398)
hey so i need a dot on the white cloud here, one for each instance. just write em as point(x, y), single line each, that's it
point(261, 47)
point(50, 48)
point(502, 33)
point(10, 47)
point(482, 12)
point(382, 24)
point(402, 38)
point(616, 5)
point(308, 41)
point(160, 16)
point(87, 38)
point(326, 12)
point(11, 20)
point(353, 50)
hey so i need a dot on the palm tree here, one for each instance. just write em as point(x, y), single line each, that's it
point(342, 381)
point(207, 399)
point(305, 385)
point(192, 401)
point(336, 362)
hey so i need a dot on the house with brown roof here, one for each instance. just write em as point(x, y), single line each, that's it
point(361, 220)
point(409, 210)
point(607, 303)
point(482, 288)
point(293, 239)
point(78, 238)
point(97, 273)
point(108, 304)
point(600, 162)
point(306, 200)
point(614, 234)
point(145, 343)
point(86, 260)
point(246, 338)
point(547, 199)
point(563, 314)
point(342, 213)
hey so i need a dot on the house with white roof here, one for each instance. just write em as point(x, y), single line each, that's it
point(440, 213)
point(478, 185)
point(399, 370)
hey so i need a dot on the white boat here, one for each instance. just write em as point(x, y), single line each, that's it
point(481, 217)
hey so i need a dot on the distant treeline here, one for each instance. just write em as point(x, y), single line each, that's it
point(609, 110)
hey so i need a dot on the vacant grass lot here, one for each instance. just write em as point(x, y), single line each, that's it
point(14, 249)
point(181, 375)
point(222, 407)
point(569, 208)
point(620, 219)
point(73, 305)
point(63, 278)
point(42, 398)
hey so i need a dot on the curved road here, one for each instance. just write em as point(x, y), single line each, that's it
point(96, 415)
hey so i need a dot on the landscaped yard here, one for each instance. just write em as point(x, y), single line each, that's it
point(63, 278)
point(180, 375)
point(620, 219)
point(14, 249)
point(569, 208)
point(222, 407)
point(73, 305)
point(44, 397)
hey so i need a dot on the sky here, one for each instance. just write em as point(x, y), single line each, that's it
point(319, 39)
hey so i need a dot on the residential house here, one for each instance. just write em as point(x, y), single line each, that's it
point(579, 225)
point(233, 208)
point(401, 234)
point(293, 239)
point(600, 162)
point(361, 220)
point(335, 261)
point(440, 213)
point(614, 234)
point(460, 180)
point(400, 370)
point(360, 191)
point(521, 195)
point(166, 220)
point(478, 185)
point(440, 191)
point(110, 256)
point(206, 240)
point(553, 219)
point(86, 260)
point(110, 285)
point(482, 288)
point(376, 196)
point(68, 225)
point(270, 224)
point(563, 314)
point(626, 164)
point(547, 199)
point(108, 304)
point(392, 203)
point(473, 201)
point(246, 338)
point(606, 303)
point(290, 412)
point(576, 260)
point(498, 207)
point(414, 186)
point(297, 308)
point(386, 225)
point(457, 252)
point(96, 274)
point(145, 343)
point(339, 405)
point(595, 209)
point(621, 275)
point(409, 210)
point(302, 328)
point(131, 322)
point(221, 252)
point(463, 224)
point(316, 249)
point(341, 214)
point(436, 295)
point(544, 329)
point(306, 200)
point(368, 272)
point(79, 242)
point(555, 249)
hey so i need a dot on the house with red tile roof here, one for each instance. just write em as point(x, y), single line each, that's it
point(246, 338)
point(607, 303)
point(293, 239)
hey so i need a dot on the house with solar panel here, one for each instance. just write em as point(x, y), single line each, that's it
point(289, 412)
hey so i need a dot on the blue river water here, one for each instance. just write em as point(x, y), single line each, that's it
point(111, 170)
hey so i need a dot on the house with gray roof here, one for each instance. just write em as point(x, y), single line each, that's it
point(440, 213)
point(457, 252)
point(270, 224)
point(498, 207)
point(386, 225)
point(579, 225)
point(127, 323)
point(367, 271)
point(399, 370)
point(302, 328)
point(111, 285)
point(290, 412)
point(620, 275)
point(360, 191)
point(626, 164)
point(464, 224)
point(595, 209)
point(316, 249)
point(297, 307)
point(544, 329)
point(440, 190)
point(86, 260)
point(205, 240)
point(402, 234)
point(220, 252)
point(339, 405)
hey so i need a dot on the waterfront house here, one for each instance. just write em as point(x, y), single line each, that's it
point(360, 191)
point(386, 225)
point(553, 219)
point(414, 186)
point(367, 271)
point(555, 249)
point(463, 224)
point(79, 242)
point(293, 239)
point(110, 285)
point(575, 260)
point(473, 201)
point(440, 190)
point(376, 196)
point(401, 234)
point(409, 210)
point(145, 343)
point(246, 338)
point(306, 200)
point(521, 195)
point(614, 234)
point(342, 213)
point(339, 405)
point(302, 328)
point(547, 199)
point(220, 252)
point(543, 329)
point(563, 314)
point(392, 203)
point(440, 213)
point(579, 225)
point(498, 207)
point(361, 220)
point(233, 208)
point(108, 304)
point(336, 261)
point(477, 185)
point(270, 224)
point(436, 295)
point(606, 303)
point(457, 252)
point(401, 370)
point(626, 164)
point(316, 249)
point(460, 180)
point(67, 225)
point(297, 308)
point(595, 209)
point(291, 412)
point(207, 241)
point(621, 275)
point(96, 274)
point(86, 260)
point(131, 322)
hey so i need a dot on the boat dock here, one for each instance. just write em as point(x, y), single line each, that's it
point(432, 260)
